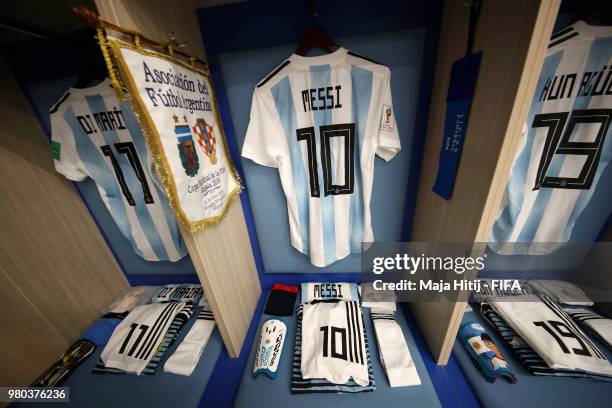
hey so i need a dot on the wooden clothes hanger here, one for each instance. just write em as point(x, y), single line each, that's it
point(599, 15)
point(316, 37)
point(93, 68)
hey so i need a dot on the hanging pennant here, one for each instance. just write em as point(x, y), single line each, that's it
point(175, 103)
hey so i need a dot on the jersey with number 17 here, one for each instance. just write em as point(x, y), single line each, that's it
point(566, 145)
point(321, 121)
point(94, 135)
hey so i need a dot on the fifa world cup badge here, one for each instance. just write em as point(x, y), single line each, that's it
point(386, 122)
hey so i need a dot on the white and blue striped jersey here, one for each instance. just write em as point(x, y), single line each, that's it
point(543, 324)
point(94, 135)
point(566, 144)
point(321, 121)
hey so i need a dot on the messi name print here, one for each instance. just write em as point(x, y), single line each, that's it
point(566, 144)
point(94, 135)
point(321, 121)
point(312, 291)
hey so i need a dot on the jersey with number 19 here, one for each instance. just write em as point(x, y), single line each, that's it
point(321, 121)
point(566, 144)
point(94, 135)
point(550, 331)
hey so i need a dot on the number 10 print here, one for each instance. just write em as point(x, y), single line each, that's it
point(326, 132)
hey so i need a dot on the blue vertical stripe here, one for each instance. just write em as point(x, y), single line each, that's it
point(600, 51)
point(515, 190)
point(132, 124)
point(281, 93)
point(361, 80)
point(320, 77)
point(598, 57)
point(93, 159)
point(96, 104)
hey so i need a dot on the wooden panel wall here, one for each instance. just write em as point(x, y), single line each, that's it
point(513, 37)
point(594, 277)
point(56, 271)
point(222, 255)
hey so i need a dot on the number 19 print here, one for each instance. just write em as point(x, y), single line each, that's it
point(560, 169)
point(559, 142)
point(551, 332)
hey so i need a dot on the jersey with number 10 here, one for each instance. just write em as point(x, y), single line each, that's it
point(321, 121)
point(94, 135)
point(566, 145)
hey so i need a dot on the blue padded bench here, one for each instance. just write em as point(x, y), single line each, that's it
point(263, 391)
point(128, 390)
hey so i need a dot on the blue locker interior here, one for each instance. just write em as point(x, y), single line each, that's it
point(400, 35)
point(245, 41)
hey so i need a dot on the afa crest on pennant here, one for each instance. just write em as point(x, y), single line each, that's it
point(187, 151)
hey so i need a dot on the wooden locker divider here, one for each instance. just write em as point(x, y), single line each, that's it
point(513, 37)
point(56, 271)
point(222, 254)
point(594, 276)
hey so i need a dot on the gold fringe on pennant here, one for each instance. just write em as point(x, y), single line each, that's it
point(112, 73)
point(123, 80)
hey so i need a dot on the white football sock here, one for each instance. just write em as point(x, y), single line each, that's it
point(186, 356)
point(394, 354)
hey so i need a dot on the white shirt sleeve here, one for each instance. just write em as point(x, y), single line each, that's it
point(65, 157)
point(265, 137)
point(388, 134)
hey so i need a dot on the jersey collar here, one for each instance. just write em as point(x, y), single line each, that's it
point(588, 30)
point(92, 90)
point(337, 55)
